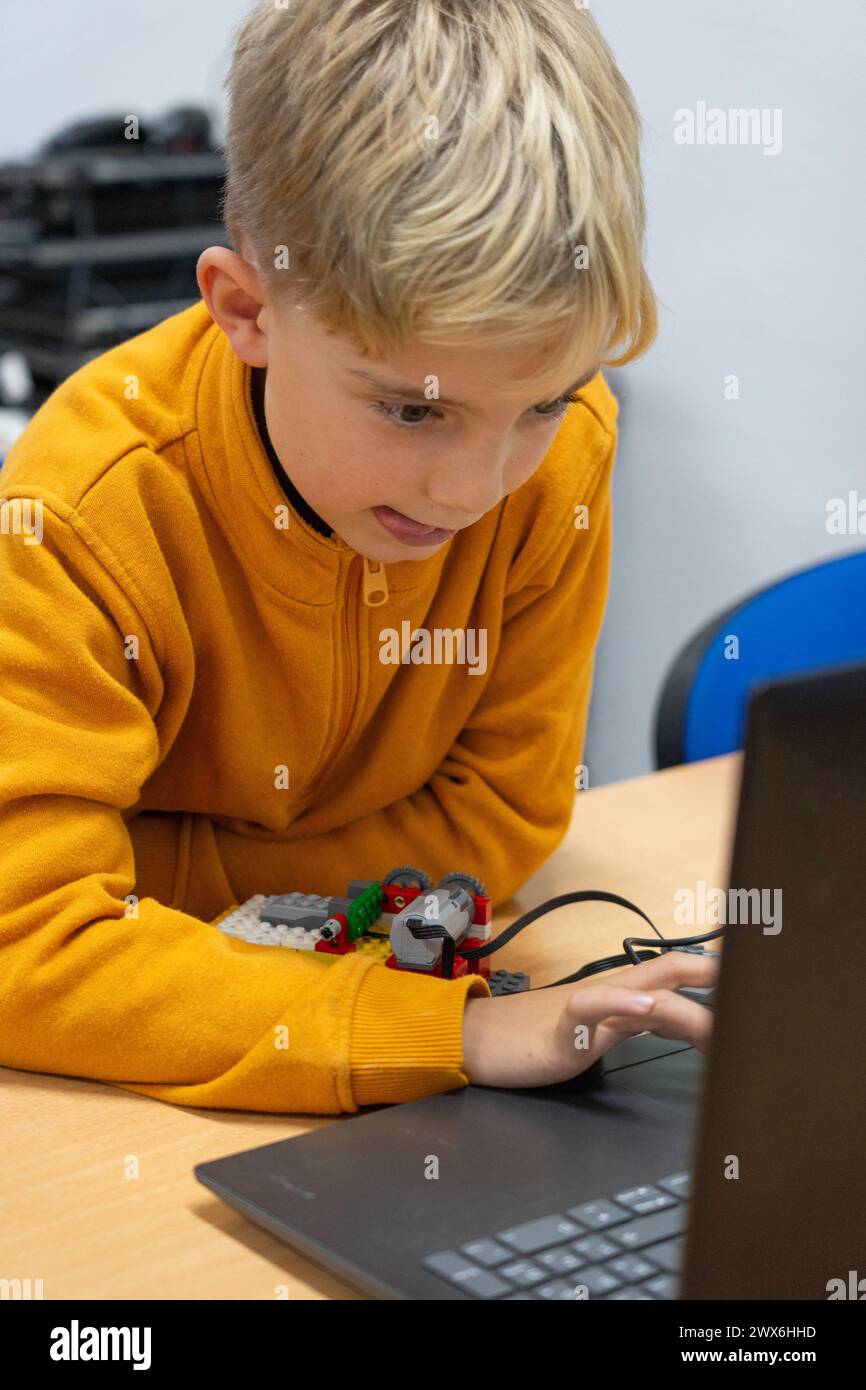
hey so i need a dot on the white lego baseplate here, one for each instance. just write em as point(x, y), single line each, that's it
point(244, 922)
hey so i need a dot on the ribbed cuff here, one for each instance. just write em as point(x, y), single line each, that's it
point(407, 1035)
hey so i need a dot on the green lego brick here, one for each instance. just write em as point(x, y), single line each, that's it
point(365, 910)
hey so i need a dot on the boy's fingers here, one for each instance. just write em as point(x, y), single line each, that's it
point(593, 1003)
point(668, 971)
point(585, 1008)
point(673, 1017)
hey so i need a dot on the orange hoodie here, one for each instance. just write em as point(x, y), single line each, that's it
point(196, 706)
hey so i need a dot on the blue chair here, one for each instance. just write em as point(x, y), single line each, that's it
point(811, 620)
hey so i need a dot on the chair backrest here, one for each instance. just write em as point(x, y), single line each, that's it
point(811, 620)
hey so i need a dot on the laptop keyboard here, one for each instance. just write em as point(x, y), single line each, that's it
point(628, 1246)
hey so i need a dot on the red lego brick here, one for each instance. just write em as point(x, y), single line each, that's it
point(476, 967)
point(483, 911)
point(461, 967)
point(397, 897)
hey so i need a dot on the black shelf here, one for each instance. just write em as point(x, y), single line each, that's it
point(99, 244)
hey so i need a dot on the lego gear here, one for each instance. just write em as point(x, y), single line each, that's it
point(408, 877)
point(472, 885)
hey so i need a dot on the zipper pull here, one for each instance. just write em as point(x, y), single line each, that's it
point(375, 583)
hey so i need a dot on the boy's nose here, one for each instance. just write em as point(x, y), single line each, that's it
point(469, 487)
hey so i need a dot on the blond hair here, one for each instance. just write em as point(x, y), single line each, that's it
point(432, 168)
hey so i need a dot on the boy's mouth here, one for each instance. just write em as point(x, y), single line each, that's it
point(409, 530)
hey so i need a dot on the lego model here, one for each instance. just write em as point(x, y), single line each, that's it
point(403, 920)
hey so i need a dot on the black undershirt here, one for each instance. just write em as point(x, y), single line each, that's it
point(257, 392)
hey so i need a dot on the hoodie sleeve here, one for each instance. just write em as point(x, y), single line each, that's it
point(97, 983)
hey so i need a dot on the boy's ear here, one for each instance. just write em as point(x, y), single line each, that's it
point(233, 292)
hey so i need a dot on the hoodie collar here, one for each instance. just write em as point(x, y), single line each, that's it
point(300, 504)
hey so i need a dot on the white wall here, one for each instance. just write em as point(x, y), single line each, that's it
point(760, 260)
point(757, 257)
point(63, 61)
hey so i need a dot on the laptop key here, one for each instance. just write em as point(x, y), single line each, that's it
point(641, 1200)
point(678, 1183)
point(564, 1260)
point(644, 1230)
point(523, 1272)
point(598, 1280)
point(595, 1247)
point(630, 1291)
point(537, 1235)
point(558, 1291)
point(598, 1214)
point(662, 1286)
point(465, 1275)
point(668, 1255)
point(486, 1252)
point(631, 1268)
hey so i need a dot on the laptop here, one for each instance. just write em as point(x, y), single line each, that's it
point(660, 1173)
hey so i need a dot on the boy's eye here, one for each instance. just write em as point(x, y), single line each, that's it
point(392, 410)
point(557, 407)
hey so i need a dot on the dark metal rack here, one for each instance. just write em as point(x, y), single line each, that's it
point(97, 245)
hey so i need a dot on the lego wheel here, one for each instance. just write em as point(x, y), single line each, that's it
point(408, 877)
point(471, 884)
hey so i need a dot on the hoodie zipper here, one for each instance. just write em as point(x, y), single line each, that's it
point(375, 583)
point(375, 592)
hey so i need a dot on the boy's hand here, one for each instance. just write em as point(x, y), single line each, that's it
point(536, 1039)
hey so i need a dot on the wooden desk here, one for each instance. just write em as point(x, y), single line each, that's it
point(70, 1217)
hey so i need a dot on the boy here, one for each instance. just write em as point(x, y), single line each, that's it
point(437, 212)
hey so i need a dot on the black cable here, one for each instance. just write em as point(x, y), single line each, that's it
point(672, 944)
point(584, 896)
point(596, 967)
point(434, 931)
point(448, 951)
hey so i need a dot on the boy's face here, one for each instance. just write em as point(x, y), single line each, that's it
point(369, 456)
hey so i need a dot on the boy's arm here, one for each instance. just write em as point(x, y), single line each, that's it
point(94, 984)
